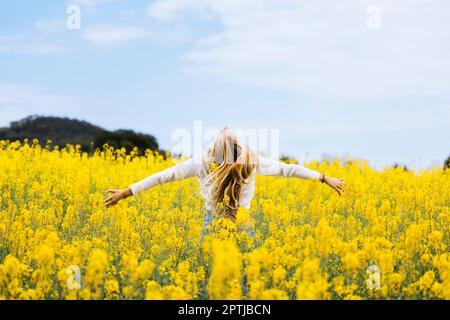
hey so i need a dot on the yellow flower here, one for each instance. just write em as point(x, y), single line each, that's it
point(112, 289)
point(225, 279)
point(174, 293)
point(95, 272)
point(426, 281)
point(396, 280)
point(313, 285)
point(352, 297)
point(351, 261)
point(425, 258)
point(153, 291)
point(243, 217)
point(59, 242)
point(279, 276)
point(274, 294)
point(213, 166)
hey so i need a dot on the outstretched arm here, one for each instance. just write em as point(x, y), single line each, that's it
point(182, 170)
point(270, 167)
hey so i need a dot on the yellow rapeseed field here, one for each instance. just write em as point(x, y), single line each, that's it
point(386, 238)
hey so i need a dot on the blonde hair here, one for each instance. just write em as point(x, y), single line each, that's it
point(234, 163)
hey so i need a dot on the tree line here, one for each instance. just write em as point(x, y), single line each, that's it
point(63, 131)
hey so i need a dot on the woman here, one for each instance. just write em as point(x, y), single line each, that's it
point(227, 177)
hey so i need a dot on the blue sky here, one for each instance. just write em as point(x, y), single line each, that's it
point(315, 70)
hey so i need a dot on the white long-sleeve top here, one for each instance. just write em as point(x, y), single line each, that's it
point(195, 167)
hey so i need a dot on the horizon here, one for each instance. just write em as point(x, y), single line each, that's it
point(361, 79)
point(278, 153)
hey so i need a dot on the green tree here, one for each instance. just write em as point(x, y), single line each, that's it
point(63, 131)
point(447, 163)
point(127, 139)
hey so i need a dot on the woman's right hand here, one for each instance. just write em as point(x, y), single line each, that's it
point(116, 196)
point(335, 183)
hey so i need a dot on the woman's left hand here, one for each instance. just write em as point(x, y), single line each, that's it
point(116, 196)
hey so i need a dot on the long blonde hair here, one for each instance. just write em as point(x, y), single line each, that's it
point(231, 165)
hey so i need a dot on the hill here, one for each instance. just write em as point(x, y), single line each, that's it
point(64, 131)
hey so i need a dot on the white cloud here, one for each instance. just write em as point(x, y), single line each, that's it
point(5, 38)
point(111, 35)
point(169, 10)
point(21, 45)
point(321, 47)
point(371, 121)
point(50, 26)
point(90, 4)
point(18, 101)
point(18, 43)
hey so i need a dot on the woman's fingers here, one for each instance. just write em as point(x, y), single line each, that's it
point(338, 185)
point(112, 199)
point(110, 203)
